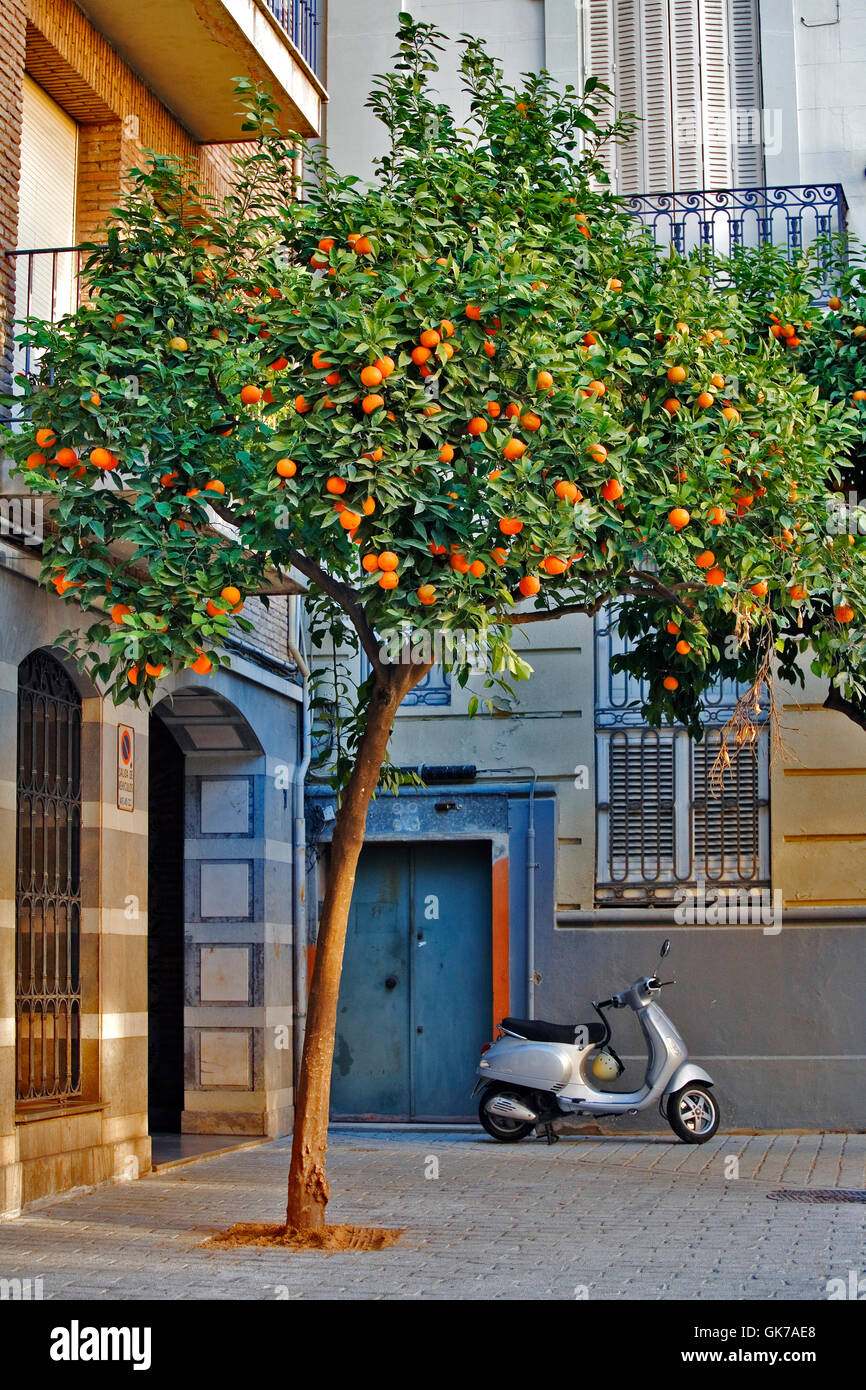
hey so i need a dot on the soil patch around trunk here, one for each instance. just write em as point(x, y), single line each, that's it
point(289, 1238)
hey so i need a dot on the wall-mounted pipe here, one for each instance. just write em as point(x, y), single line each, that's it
point(299, 845)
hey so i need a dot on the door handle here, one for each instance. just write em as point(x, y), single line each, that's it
point(391, 982)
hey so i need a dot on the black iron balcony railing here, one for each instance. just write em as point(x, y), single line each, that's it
point(47, 286)
point(300, 20)
point(725, 219)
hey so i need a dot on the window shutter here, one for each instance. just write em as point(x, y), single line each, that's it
point(746, 95)
point(658, 128)
point(686, 94)
point(726, 819)
point(599, 49)
point(715, 93)
point(641, 801)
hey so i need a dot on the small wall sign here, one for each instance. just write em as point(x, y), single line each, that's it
point(125, 768)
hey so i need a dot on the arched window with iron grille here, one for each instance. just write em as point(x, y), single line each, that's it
point(48, 886)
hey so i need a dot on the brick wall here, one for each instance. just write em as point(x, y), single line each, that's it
point(271, 626)
point(12, 45)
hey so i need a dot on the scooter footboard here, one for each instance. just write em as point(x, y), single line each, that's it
point(689, 1071)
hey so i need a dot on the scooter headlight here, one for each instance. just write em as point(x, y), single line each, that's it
point(604, 1066)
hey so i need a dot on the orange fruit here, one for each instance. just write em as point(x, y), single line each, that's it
point(477, 425)
point(705, 560)
point(494, 409)
point(103, 458)
point(212, 610)
point(834, 302)
point(132, 675)
point(489, 348)
point(335, 486)
point(673, 627)
point(614, 285)
point(388, 580)
point(153, 670)
point(477, 568)
point(514, 449)
point(545, 381)
point(119, 611)
point(446, 454)
point(731, 415)
point(843, 613)
point(612, 490)
point(589, 340)
point(759, 589)
point(597, 452)
point(371, 376)
point(797, 592)
point(427, 593)
point(95, 398)
point(705, 400)
point(66, 458)
point(566, 491)
point(302, 405)
point(682, 328)
point(349, 520)
point(473, 312)
point(552, 565)
point(319, 362)
point(36, 460)
point(202, 664)
point(683, 647)
point(858, 396)
point(679, 518)
point(231, 595)
point(670, 683)
point(510, 526)
point(430, 338)
point(370, 563)
point(671, 405)
point(529, 585)
point(596, 388)
point(459, 563)
point(530, 421)
point(385, 365)
point(717, 516)
point(363, 246)
point(419, 355)
point(676, 374)
point(388, 560)
point(715, 577)
point(250, 395)
point(46, 438)
point(499, 555)
point(286, 468)
point(447, 328)
point(215, 486)
point(371, 403)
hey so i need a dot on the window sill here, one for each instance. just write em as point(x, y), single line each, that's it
point(27, 1112)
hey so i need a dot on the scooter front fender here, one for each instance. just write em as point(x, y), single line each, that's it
point(689, 1071)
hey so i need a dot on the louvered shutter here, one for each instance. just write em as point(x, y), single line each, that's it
point(629, 94)
point(641, 805)
point(686, 94)
point(599, 49)
point(726, 818)
point(744, 57)
point(46, 207)
point(715, 93)
point(658, 127)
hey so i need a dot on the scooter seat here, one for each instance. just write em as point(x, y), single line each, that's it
point(536, 1030)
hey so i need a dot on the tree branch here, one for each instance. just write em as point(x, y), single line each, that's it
point(836, 701)
point(347, 598)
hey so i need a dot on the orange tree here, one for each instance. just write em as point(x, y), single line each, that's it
point(465, 397)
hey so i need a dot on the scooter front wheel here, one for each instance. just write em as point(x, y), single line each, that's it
point(693, 1114)
point(502, 1127)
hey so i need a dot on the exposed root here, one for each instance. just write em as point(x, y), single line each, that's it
point(290, 1238)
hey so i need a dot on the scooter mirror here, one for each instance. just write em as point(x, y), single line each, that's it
point(666, 946)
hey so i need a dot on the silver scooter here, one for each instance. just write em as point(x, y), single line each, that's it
point(540, 1073)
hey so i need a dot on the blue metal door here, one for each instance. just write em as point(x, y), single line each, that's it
point(416, 991)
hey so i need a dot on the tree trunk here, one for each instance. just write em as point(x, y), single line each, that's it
point(308, 1186)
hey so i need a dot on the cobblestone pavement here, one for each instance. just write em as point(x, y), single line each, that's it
point(597, 1218)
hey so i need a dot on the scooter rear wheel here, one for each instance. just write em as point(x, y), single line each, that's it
point(500, 1126)
point(693, 1114)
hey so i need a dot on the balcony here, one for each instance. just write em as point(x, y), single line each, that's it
point(727, 219)
point(190, 52)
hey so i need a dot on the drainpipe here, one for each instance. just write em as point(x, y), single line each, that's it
point(299, 848)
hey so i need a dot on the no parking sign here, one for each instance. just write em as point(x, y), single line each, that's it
point(125, 768)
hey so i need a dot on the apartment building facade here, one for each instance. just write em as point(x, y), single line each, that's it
point(580, 832)
point(149, 885)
